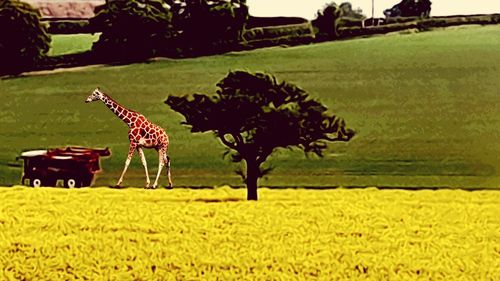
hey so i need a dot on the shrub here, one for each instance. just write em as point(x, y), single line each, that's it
point(132, 29)
point(24, 41)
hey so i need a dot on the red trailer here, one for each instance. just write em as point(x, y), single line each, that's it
point(75, 166)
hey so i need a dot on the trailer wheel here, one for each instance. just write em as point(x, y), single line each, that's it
point(35, 182)
point(38, 181)
point(71, 183)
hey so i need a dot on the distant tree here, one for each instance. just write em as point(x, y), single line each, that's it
point(410, 8)
point(208, 26)
point(254, 115)
point(332, 16)
point(24, 40)
point(133, 29)
point(326, 21)
point(347, 11)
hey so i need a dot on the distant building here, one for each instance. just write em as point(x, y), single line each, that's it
point(61, 9)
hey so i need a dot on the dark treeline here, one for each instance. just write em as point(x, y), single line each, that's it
point(135, 30)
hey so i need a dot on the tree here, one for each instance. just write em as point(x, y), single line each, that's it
point(326, 21)
point(410, 8)
point(24, 40)
point(347, 11)
point(332, 16)
point(133, 29)
point(208, 26)
point(254, 115)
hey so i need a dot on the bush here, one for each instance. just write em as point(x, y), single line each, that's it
point(133, 29)
point(24, 40)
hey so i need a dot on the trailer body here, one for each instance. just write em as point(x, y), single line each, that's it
point(75, 166)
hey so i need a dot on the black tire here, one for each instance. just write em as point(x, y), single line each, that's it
point(39, 182)
point(36, 182)
point(72, 182)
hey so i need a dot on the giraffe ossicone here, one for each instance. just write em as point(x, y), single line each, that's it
point(142, 134)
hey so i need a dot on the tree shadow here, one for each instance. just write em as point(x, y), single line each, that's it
point(217, 200)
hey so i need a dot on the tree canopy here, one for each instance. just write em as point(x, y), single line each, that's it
point(410, 8)
point(253, 114)
point(133, 29)
point(208, 26)
point(24, 40)
point(137, 29)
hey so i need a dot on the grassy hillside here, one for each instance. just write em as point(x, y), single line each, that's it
point(63, 44)
point(181, 234)
point(425, 107)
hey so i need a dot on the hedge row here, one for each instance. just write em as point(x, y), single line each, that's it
point(254, 22)
point(420, 24)
point(278, 41)
point(70, 26)
point(293, 31)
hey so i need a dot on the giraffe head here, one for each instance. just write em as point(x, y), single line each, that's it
point(96, 95)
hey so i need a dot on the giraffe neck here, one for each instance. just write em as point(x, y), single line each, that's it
point(124, 114)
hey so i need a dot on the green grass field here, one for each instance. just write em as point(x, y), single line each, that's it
point(64, 44)
point(425, 107)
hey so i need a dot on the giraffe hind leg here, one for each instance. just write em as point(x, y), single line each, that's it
point(167, 164)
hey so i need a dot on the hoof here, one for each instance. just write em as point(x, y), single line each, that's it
point(117, 186)
point(170, 186)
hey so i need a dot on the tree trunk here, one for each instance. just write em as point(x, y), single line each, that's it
point(252, 179)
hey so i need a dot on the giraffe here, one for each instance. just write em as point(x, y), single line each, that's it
point(142, 134)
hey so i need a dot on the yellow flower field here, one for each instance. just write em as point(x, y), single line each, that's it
point(182, 234)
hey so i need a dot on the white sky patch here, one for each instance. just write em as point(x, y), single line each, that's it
point(308, 8)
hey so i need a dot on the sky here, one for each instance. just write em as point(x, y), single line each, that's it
point(307, 8)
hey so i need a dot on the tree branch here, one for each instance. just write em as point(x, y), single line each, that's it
point(238, 138)
point(226, 142)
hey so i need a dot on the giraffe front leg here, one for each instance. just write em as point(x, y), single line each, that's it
point(127, 163)
point(143, 160)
